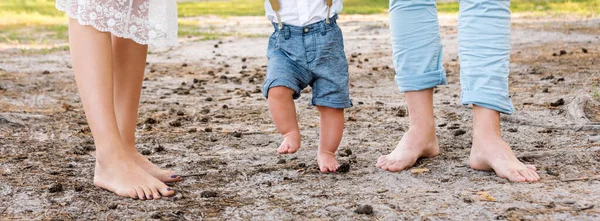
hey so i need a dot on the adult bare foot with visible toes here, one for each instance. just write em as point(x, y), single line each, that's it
point(415, 144)
point(115, 171)
point(493, 153)
point(291, 143)
point(327, 162)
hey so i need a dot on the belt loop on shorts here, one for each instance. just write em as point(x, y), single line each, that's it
point(286, 32)
point(323, 28)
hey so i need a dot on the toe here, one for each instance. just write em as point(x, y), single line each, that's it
point(533, 175)
point(398, 166)
point(292, 149)
point(323, 169)
point(385, 165)
point(166, 190)
point(380, 161)
point(172, 177)
point(532, 167)
point(280, 149)
point(537, 176)
point(148, 193)
point(515, 176)
point(528, 175)
point(333, 168)
point(140, 193)
point(132, 193)
point(155, 193)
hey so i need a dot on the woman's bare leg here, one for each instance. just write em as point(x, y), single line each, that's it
point(115, 170)
point(129, 61)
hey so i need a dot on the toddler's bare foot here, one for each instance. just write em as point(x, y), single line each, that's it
point(327, 162)
point(493, 153)
point(291, 143)
point(416, 143)
point(166, 176)
point(115, 171)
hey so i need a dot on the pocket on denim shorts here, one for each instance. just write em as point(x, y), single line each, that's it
point(338, 36)
point(273, 43)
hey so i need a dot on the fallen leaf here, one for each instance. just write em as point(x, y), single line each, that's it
point(419, 170)
point(486, 196)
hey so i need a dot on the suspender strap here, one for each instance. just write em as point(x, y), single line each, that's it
point(329, 4)
point(275, 5)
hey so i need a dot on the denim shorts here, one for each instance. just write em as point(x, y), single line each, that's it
point(314, 56)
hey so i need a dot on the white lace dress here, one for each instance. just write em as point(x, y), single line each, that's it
point(152, 22)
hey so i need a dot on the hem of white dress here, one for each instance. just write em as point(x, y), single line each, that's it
point(137, 40)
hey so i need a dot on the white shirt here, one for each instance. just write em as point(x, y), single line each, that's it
point(302, 12)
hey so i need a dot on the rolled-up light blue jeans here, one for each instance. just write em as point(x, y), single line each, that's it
point(483, 49)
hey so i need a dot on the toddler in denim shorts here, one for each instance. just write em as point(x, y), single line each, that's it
point(307, 49)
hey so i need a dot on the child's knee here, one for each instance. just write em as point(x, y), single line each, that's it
point(280, 93)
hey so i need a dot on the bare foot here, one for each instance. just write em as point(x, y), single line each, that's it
point(493, 153)
point(327, 162)
point(291, 143)
point(414, 144)
point(166, 176)
point(116, 172)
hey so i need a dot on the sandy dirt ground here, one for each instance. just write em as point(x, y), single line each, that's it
point(202, 114)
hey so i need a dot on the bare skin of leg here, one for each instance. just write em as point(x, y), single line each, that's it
point(115, 170)
point(283, 110)
point(420, 140)
point(491, 152)
point(332, 129)
point(129, 61)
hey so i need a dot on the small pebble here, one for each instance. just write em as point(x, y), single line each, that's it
point(344, 168)
point(113, 206)
point(281, 161)
point(155, 216)
point(146, 152)
point(557, 103)
point(364, 209)
point(237, 134)
point(55, 188)
point(563, 52)
point(208, 194)
point(459, 132)
point(552, 172)
point(401, 112)
point(78, 188)
point(150, 120)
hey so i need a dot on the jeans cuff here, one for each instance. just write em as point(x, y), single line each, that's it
point(332, 104)
point(412, 82)
point(489, 100)
point(271, 83)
